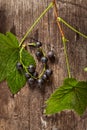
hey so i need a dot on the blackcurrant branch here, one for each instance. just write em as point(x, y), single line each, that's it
point(33, 44)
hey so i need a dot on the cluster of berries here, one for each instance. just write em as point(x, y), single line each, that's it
point(32, 75)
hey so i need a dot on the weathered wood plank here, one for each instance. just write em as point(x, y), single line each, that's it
point(25, 110)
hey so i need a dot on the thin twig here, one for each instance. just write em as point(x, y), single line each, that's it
point(56, 15)
point(35, 23)
point(63, 38)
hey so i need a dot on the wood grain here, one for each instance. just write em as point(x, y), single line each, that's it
point(25, 110)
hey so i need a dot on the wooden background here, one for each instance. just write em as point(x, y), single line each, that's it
point(25, 110)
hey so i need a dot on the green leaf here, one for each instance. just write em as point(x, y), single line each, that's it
point(6, 48)
point(12, 39)
point(27, 58)
point(15, 79)
point(9, 56)
point(71, 95)
point(3, 64)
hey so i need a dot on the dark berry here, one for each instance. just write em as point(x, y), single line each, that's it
point(44, 59)
point(19, 66)
point(39, 54)
point(51, 56)
point(31, 81)
point(48, 72)
point(40, 82)
point(35, 74)
point(27, 75)
point(31, 68)
point(38, 44)
point(44, 77)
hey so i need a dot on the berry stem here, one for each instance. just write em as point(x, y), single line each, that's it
point(44, 68)
point(69, 26)
point(42, 72)
point(36, 21)
point(31, 44)
point(42, 51)
point(66, 56)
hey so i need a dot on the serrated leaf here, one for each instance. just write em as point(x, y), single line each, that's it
point(71, 95)
point(15, 79)
point(6, 48)
point(9, 56)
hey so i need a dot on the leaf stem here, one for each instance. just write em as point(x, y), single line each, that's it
point(63, 39)
point(66, 56)
point(36, 21)
point(72, 28)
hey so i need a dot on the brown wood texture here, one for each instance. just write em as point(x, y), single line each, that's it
point(25, 110)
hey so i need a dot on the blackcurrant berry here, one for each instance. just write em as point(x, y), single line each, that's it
point(44, 77)
point(40, 82)
point(35, 74)
point(31, 68)
point(39, 54)
point(31, 81)
point(51, 56)
point(27, 75)
point(19, 66)
point(48, 72)
point(44, 59)
point(38, 44)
